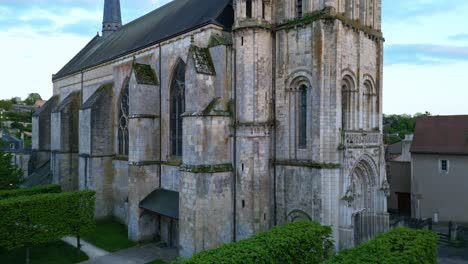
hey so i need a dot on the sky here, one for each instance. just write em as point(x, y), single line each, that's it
point(426, 48)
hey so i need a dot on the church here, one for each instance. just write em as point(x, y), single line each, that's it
point(205, 122)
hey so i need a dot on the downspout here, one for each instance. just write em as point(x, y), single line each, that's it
point(273, 85)
point(87, 156)
point(160, 117)
point(160, 132)
point(234, 118)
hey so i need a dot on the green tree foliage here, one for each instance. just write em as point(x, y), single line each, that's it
point(18, 117)
point(400, 125)
point(298, 242)
point(6, 105)
point(401, 246)
point(32, 98)
point(30, 191)
point(10, 175)
point(42, 218)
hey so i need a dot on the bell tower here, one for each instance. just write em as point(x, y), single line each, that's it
point(253, 42)
point(112, 20)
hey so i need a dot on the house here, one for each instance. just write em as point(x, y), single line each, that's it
point(439, 184)
point(208, 121)
point(398, 160)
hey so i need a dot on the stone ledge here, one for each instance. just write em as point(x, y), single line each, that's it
point(143, 163)
point(308, 164)
point(143, 116)
point(207, 168)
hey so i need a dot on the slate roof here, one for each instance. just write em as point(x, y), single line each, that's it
point(163, 202)
point(168, 21)
point(441, 135)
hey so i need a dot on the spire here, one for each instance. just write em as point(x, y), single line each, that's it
point(112, 17)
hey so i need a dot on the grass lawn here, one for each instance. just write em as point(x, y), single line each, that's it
point(53, 253)
point(109, 235)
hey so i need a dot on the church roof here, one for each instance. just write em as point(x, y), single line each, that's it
point(166, 22)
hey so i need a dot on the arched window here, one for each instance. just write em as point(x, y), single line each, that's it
point(369, 106)
point(302, 127)
point(299, 8)
point(347, 103)
point(248, 8)
point(177, 108)
point(123, 121)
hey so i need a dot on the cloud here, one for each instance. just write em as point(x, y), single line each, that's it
point(423, 54)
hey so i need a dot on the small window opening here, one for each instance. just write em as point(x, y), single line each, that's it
point(242, 166)
point(264, 217)
point(242, 41)
point(248, 8)
point(243, 203)
point(444, 165)
point(299, 8)
point(263, 9)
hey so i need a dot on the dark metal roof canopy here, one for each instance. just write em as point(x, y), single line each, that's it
point(163, 202)
point(173, 19)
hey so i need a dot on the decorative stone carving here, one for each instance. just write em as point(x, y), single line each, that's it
point(360, 139)
point(350, 194)
point(385, 188)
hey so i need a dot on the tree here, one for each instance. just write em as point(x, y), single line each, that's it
point(10, 175)
point(32, 98)
point(6, 105)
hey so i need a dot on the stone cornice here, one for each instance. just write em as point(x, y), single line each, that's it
point(308, 164)
point(217, 168)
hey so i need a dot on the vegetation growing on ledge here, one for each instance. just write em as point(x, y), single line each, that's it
point(207, 168)
point(145, 74)
point(308, 164)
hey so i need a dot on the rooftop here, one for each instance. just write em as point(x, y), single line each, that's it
point(441, 135)
point(166, 22)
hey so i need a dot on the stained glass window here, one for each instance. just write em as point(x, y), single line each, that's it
point(177, 109)
point(123, 121)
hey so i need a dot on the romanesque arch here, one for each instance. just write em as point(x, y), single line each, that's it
point(370, 105)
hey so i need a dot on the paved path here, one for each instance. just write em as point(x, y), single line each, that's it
point(87, 248)
point(136, 255)
point(451, 255)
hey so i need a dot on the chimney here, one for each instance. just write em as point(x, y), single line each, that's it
point(112, 17)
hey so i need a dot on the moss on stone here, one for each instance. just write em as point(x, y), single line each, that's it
point(203, 61)
point(308, 164)
point(217, 168)
point(145, 74)
point(217, 40)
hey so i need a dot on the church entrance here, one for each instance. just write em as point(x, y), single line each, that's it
point(362, 202)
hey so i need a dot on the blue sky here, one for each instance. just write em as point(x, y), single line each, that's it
point(426, 48)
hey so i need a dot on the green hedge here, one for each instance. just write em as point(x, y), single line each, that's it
point(37, 219)
point(30, 191)
point(401, 246)
point(298, 242)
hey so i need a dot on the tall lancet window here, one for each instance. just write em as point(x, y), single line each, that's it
point(248, 8)
point(299, 8)
point(302, 128)
point(177, 108)
point(123, 121)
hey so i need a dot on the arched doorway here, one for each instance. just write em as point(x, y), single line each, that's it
point(361, 197)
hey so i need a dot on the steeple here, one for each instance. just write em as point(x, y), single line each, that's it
point(112, 17)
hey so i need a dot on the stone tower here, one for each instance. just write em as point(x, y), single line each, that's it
point(253, 42)
point(112, 17)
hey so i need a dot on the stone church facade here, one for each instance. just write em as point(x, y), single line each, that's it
point(207, 121)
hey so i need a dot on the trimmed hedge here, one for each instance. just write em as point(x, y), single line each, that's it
point(298, 242)
point(37, 219)
point(30, 191)
point(401, 246)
